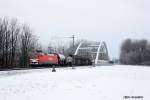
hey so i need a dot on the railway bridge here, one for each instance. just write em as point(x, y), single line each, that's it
point(96, 51)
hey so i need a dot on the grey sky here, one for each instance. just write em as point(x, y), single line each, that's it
point(108, 20)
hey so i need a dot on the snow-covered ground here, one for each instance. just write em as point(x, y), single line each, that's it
point(82, 83)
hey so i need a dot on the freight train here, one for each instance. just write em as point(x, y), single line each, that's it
point(40, 59)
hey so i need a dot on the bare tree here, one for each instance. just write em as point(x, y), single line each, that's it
point(14, 31)
point(135, 52)
point(5, 42)
point(27, 46)
point(1, 41)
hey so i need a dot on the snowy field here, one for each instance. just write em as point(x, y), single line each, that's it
point(82, 83)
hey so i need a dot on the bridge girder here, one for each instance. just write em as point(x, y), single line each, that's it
point(97, 51)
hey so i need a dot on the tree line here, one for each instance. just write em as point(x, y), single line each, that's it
point(17, 43)
point(135, 52)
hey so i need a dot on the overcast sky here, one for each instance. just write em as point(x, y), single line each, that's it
point(108, 20)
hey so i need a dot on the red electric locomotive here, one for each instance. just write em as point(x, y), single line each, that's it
point(41, 59)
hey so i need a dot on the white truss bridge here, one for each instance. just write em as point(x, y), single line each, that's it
point(96, 51)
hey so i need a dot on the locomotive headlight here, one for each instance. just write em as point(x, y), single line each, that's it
point(34, 61)
point(37, 59)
